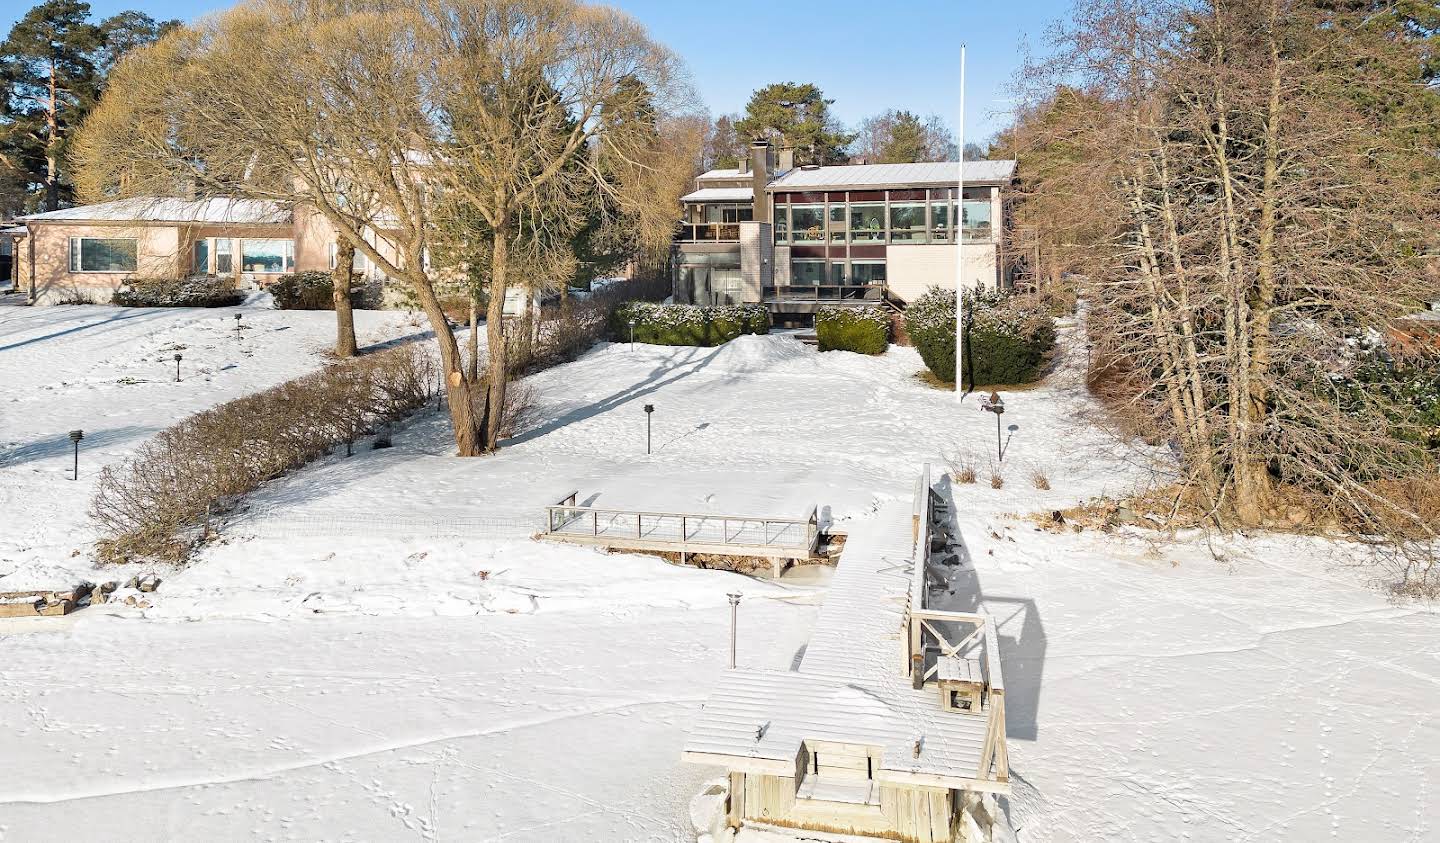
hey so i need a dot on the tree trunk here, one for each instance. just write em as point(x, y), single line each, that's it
point(52, 164)
point(497, 368)
point(466, 418)
point(340, 281)
point(474, 338)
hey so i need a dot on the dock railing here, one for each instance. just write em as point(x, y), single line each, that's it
point(926, 633)
point(683, 532)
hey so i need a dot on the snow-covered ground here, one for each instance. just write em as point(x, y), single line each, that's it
point(376, 649)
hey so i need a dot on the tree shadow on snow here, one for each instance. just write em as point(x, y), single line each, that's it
point(650, 384)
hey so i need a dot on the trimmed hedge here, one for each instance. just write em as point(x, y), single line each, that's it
point(312, 290)
point(863, 330)
point(157, 502)
point(203, 291)
point(1006, 337)
point(683, 324)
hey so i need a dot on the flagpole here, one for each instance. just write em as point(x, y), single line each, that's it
point(959, 244)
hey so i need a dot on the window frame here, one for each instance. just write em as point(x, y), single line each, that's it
point(287, 257)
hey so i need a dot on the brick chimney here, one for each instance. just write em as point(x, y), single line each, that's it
point(786, 161)
point(760, 176)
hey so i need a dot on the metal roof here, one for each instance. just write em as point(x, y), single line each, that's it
point(161, 209)
point(850, 687)
point(724, 174)
point(923, 174)
point(720, 194)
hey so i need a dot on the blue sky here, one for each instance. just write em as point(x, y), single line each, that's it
point(867, 55)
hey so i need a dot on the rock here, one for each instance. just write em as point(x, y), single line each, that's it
point(1126, 515)
point(132, 582)
point(148, 583)
point(1057, 517)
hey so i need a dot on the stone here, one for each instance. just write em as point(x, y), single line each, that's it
point(148, 583)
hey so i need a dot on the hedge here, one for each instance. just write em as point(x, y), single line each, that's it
point(312, 290)
point(683, 324)
point(156, 503)
point(1006, 337)
point(203, 291)
point(863, 330)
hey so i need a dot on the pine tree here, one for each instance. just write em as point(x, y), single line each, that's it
point(796, 115)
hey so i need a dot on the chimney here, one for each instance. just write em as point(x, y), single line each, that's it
point(759, 172)
point(787, 159)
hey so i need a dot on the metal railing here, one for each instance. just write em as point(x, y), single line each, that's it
point(825, 292)
point(683, 531)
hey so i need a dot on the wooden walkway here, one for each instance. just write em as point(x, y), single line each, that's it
point(685, 533)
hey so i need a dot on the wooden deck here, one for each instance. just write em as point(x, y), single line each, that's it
point(685, 533)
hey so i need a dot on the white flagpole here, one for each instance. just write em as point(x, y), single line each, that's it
point(959, 244)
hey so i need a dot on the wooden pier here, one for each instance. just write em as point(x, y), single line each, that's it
point(686, 533)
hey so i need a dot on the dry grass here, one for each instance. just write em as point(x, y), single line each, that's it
point(1039, 480)
point(997, 480)
point(962, 466)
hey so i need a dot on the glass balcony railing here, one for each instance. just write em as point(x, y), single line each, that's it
point(825, 292)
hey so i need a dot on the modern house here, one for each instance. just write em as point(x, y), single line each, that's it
point(87, 252)
point(797, 238)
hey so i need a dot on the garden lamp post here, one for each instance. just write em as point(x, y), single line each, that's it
point(734, 610)
point(177, 367)
point(649, 410)
point(76, 436)
point(995, 404)
point(632, 335)
point(237, 326)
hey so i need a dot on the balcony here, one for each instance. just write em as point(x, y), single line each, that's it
point(825, 292)
point(709, 232)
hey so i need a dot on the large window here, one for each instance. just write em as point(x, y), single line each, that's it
point(907, 222)
point(940, 221)
point(97, 254)
point(807, 273)
point(977, 219)
point(224, 256)
point(837, 222)
point(267, 255)
point(863, 273)
point(867, 223)
point(808, 222)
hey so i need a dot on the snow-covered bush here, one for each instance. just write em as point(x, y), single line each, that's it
point(156, 503)
point(1006, 337)
point(202, 291)
point(863, 330)
point(684, 324)
point(312, 290)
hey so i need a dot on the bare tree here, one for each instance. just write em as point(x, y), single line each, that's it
point(407, 124)
point(1250, 198)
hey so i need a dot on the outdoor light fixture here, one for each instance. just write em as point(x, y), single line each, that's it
point(649, 409)
point(995, 404)
point(237, 326)
point(177, 367)
point(734, 607)
point(76, 436)
point(632, 334)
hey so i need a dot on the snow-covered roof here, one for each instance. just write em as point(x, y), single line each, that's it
point(734, 173)
point(923, 174)
point(720, 194)
point(19, 229)
point(850, 687)
point(162, 209)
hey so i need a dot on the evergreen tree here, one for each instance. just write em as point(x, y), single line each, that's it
point(796, 115)
point(52, 69)
point(722, 144)
point(900, 137)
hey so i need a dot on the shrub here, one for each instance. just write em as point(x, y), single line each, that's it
point(154, 504)
point(1006, 337)
point(863, 330)
point(201, 291)
point(1040, 480)
point(314, 290)
point(683, 324)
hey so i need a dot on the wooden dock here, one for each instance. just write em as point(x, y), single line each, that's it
point(686, 533)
